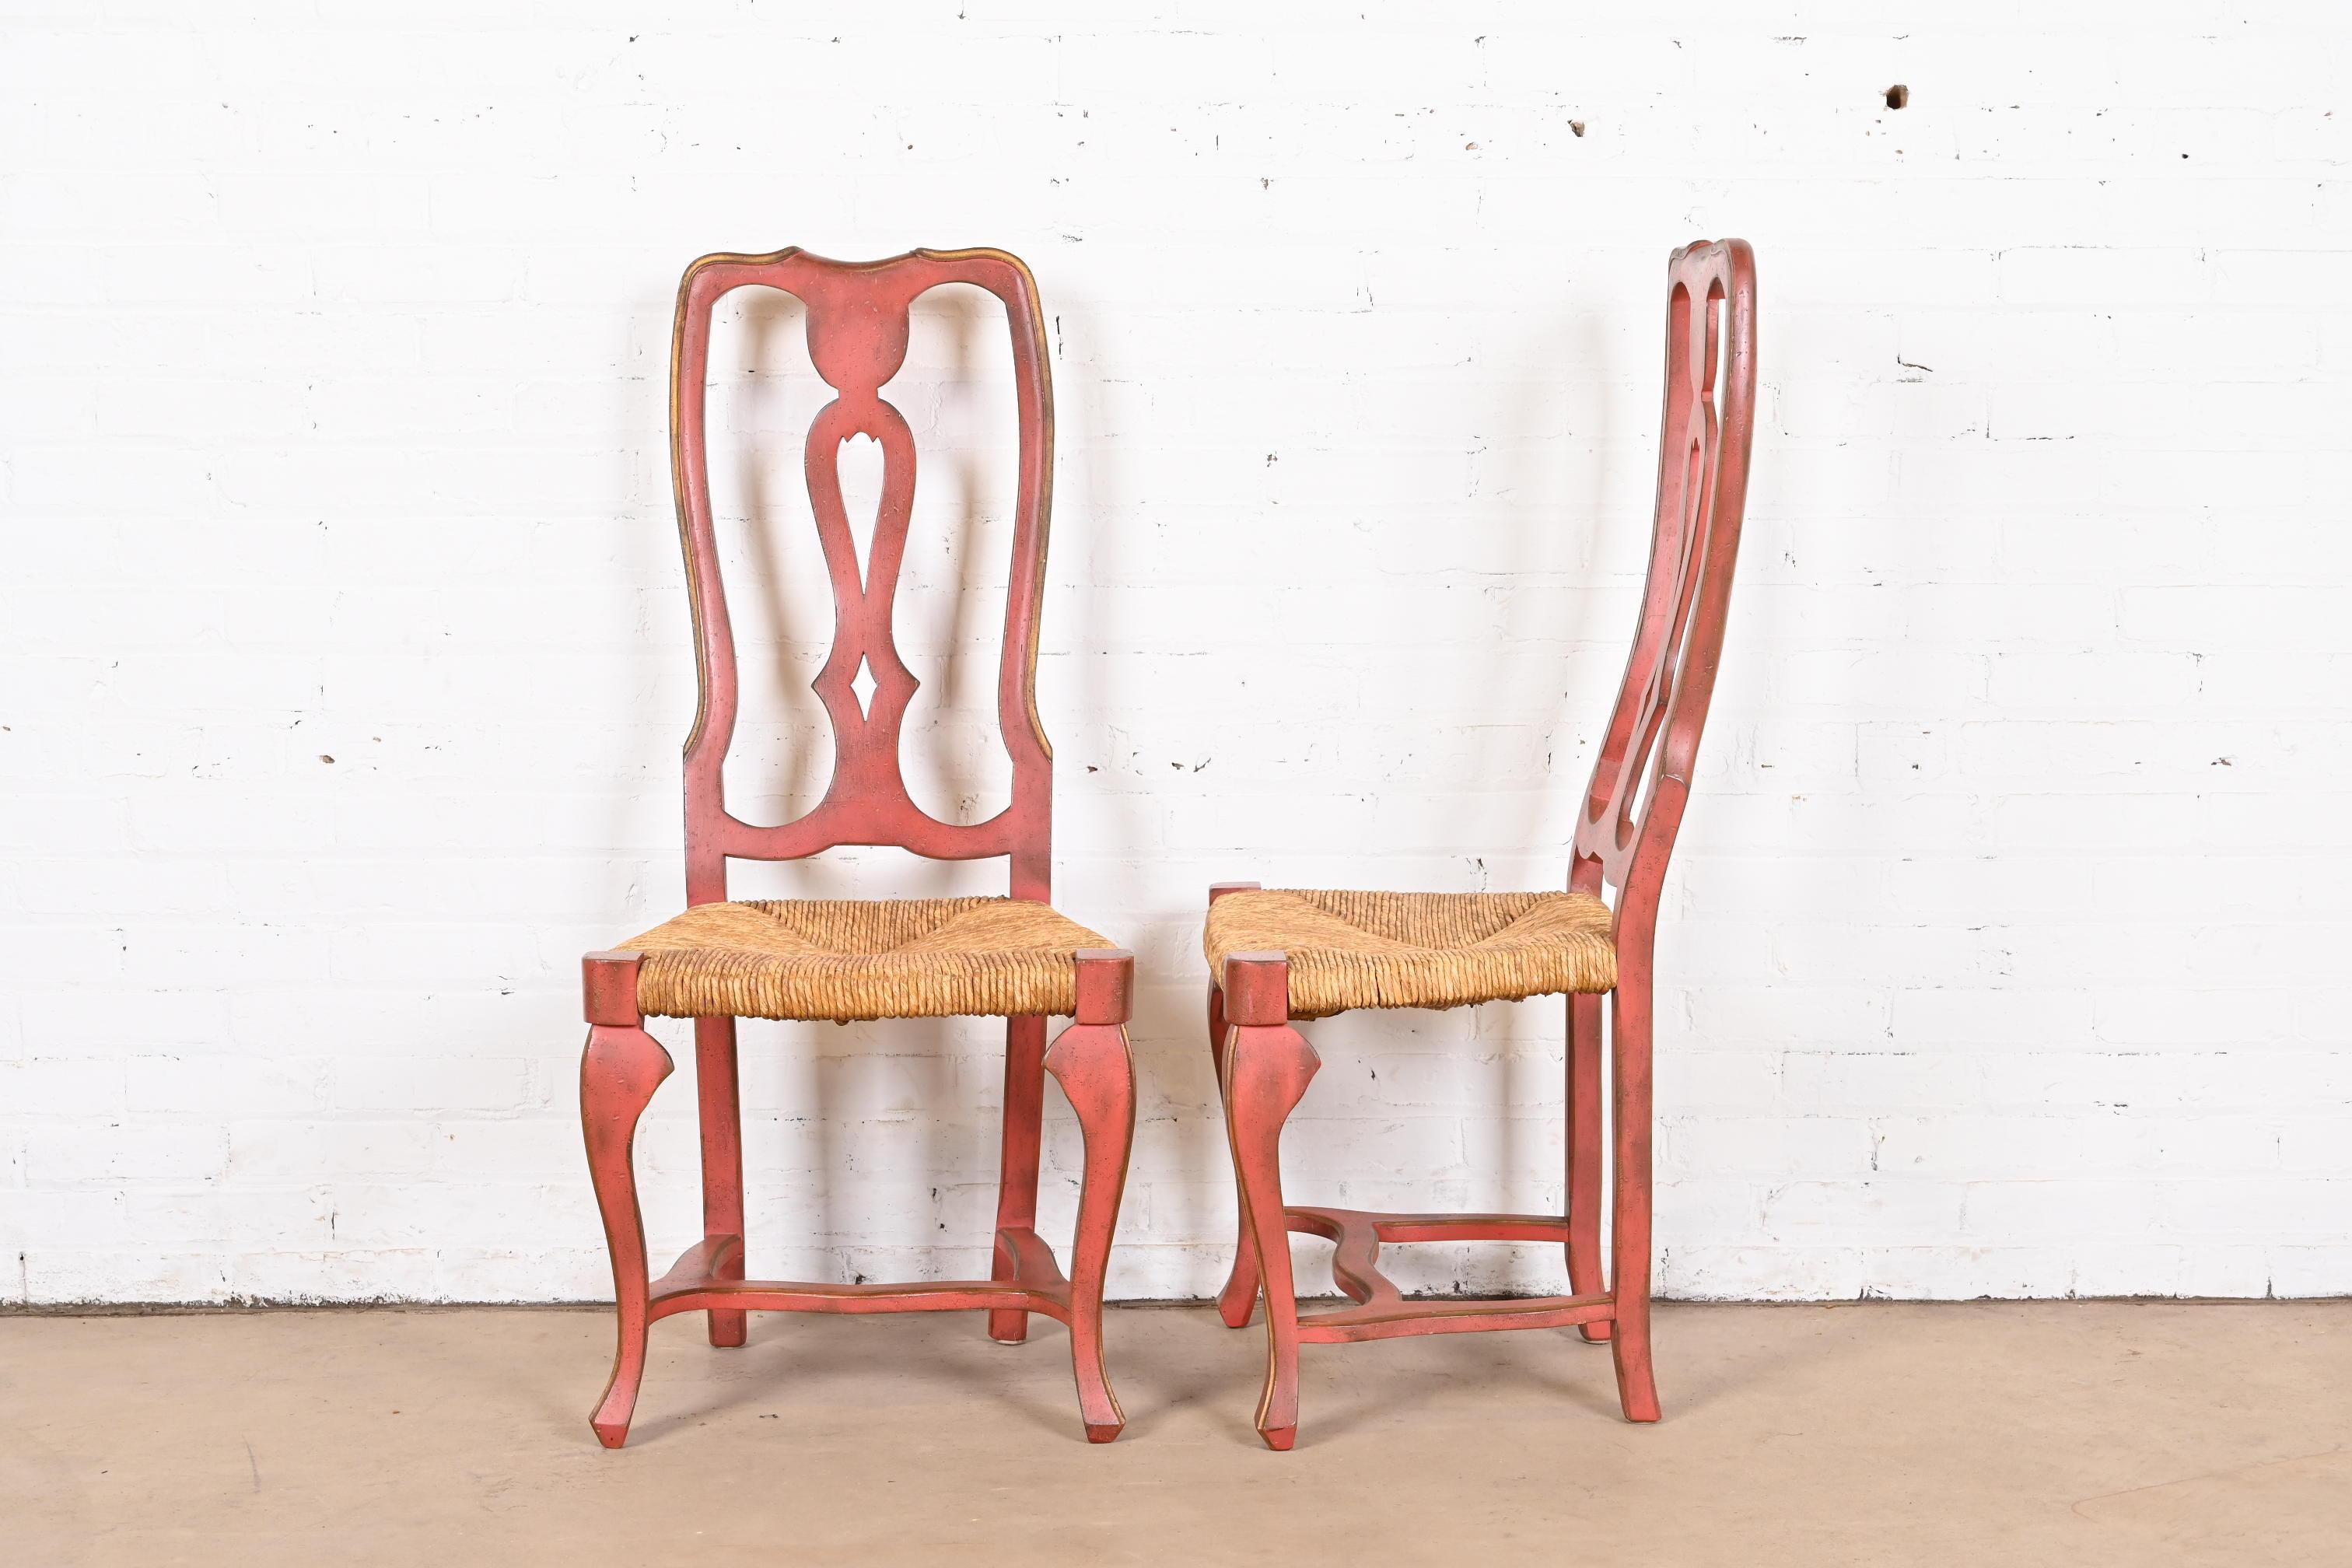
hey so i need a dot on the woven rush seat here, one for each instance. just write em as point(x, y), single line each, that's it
point(1350, 949)
point(853, 958)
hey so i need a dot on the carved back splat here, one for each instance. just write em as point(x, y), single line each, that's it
point(857, 331)
point(1640, 780)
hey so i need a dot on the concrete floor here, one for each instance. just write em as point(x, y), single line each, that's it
point(2073, 1433)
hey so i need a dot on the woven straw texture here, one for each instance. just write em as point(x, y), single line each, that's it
point(1418, 950)
point(846, 958)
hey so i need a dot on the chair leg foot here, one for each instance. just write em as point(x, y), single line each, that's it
point(611, 1422)
point(1007, 1325)
point(614, 1411)
point(1240, 1294)
point(1637, 1387)
point(1099, 1409)
point(1279, 1438)
point(728, 1330)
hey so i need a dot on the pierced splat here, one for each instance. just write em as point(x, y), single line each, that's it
point(864, 729)
point(858, 334)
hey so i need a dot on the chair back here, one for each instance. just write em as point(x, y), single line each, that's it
point(857, 331)
point(1640, 780)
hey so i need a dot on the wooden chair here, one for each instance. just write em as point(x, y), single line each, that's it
point(815, 958)
point(1278, 956)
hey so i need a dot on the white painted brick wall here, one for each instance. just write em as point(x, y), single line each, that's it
point(346, 661)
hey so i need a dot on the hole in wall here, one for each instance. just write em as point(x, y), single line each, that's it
point(1898, 96)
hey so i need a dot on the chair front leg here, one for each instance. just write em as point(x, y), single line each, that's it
point(719, 1105)
point(1016, 1187)
point(1268, 1064)
point(619, 1072)
point(1091, 1061)
point(1637, 1389)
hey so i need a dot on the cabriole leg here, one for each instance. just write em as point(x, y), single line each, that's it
point(1091, 1062)
point(720, 1104)
point(1016, 1190)
point(1267, 1067)
point(1584, 1155)
point(619, 1072)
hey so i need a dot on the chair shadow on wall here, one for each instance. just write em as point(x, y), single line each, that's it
point(1573, 722)
point(1520, 837)
point(1180, 1126)
point(1168, 1026)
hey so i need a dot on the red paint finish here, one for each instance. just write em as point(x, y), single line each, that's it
point(1626, 834)
point(857, 333)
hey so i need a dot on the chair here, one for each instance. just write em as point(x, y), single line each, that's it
point(816, 959)
point(1277, 956)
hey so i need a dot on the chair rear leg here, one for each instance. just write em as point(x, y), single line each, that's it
point(720, 1103)
point(1637, 1388)
point(1016, 1188)
point(1585, 1146)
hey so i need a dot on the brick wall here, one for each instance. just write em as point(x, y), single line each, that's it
point(346, 658)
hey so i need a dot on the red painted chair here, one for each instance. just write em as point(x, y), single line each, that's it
point(1278, 956)
point(813, 959)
